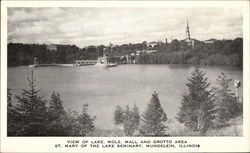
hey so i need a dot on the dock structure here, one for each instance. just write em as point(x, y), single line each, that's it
point(37, 64)
point(85, 62)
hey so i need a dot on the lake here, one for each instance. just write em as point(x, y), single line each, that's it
point(105, 88)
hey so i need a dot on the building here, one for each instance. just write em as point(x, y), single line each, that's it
point(210, 41)
point(55, 47)
point(51, 47)
point(138, 52)
point(152, 44)
point(189, 40)
point(36, 61)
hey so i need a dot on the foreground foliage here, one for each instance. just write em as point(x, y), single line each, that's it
point(153, 118)
point(228, 104)
point(197, 109)
point(32, 117)
point(128, 118)
point(201, 113)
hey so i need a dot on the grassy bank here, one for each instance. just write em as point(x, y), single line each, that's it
point(234, 127)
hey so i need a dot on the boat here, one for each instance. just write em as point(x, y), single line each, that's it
point(104, 62)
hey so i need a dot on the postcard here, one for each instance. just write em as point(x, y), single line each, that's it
point(125, 76)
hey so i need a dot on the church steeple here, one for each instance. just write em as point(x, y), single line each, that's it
point(187, 32)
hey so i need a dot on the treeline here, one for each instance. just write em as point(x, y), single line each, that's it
point(225, 52)
point(23, 54)
point(202, 108)
point(220, 52)
point(20, 54)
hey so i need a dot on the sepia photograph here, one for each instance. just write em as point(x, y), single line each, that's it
point(125, 72)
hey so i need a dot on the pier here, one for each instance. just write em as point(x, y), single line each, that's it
point(36, 64)
point(85, 62)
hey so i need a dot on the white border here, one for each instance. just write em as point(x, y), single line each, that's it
point(46, 144)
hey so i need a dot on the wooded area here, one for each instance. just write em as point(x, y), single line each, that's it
point(220, 52)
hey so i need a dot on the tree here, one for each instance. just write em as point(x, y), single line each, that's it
point(31, 117)
point(153, 118)
point(197, 109)
point(83, 124)
point(9, 97)
point(129, 118)
point(144, 45)
point(118, 115)
point(58, 125)
point(32, 110)
point(100, 50)
point(228, 107)
point(135, 117)
point(55, 109)
point(175, 45)
point(12, 116)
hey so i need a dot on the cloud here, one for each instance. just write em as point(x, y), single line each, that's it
point(93, 26)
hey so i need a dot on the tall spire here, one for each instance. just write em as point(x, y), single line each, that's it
point(187, 32)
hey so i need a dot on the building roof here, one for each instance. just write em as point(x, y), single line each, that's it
point(59, 45)
point(212, 39)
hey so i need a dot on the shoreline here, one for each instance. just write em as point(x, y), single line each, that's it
point(72, 65)
point(48, 65)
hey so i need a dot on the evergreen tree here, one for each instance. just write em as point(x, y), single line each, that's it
point(127, 124)
point(228, 107)
point(56, 108)
point(58, 124)
point(153, 118)
point(32, 110)
point(31, 117)
point(9, 97)
point(135, 119)
point(12, 116)
point(197, 109)
point(72, 117)
point(118, 115)
point(83, 124)
point(129, 118)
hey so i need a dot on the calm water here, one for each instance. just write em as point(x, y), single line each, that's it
point(104, 89)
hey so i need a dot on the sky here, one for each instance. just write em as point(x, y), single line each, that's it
point(83, 26)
